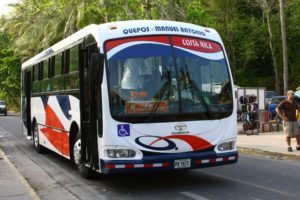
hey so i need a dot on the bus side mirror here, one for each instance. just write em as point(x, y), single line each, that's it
point(96, 68)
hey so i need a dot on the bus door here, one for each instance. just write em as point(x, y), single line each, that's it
point(88, 106)
point(26, 103)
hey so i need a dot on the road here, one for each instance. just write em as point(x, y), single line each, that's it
point(53, 177)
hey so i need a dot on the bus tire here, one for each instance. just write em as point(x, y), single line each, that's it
point(73, 133)
point(36, 139)
point(85, 171)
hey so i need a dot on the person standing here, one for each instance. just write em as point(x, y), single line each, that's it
point(287, 111)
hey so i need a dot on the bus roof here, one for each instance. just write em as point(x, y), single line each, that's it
point(122, 29)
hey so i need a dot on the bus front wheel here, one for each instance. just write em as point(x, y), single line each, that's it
point(85, 171)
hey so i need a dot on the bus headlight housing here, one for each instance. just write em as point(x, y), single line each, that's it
point(118, 152)
point(226, 146)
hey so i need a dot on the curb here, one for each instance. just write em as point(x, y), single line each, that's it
point(269, 154)
point(30, 190)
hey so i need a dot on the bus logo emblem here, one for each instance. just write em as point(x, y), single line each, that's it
point(180, 127)
point(123, 130)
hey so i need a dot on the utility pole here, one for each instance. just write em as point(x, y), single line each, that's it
point(284, 48)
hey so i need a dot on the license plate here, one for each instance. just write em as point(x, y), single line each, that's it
point(182, 163)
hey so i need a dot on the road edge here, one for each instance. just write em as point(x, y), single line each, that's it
point(30, 190)
point(268, 154)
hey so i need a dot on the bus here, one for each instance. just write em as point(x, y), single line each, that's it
point(133, 96)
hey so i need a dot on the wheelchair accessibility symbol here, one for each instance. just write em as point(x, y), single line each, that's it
point(123, 130)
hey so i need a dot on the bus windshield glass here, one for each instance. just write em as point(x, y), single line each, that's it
point(163, 78)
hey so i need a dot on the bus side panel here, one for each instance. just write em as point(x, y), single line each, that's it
point(54, 116)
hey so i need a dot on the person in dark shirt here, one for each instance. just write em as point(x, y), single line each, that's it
point(287, 111)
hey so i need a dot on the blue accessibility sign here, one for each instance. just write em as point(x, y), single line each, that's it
point(123, 130)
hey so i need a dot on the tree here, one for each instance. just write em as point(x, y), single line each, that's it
point(9, 73)
point(284, 48)
point(267, 7)
point(249, 32)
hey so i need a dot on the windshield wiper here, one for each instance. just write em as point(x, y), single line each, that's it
point(197, 92)
point(160, 95)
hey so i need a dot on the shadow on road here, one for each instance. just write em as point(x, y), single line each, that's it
point(183, 179)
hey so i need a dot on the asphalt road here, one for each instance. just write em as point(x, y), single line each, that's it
point(53, 177)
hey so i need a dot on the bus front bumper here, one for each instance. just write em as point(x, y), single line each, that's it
point(166, 162)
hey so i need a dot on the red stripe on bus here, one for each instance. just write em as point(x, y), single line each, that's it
point(198, 162)
point(112, 44)
point(148, 165)
point(110, 166)
point(195, 142)
point(194, 44)
point(129, 166)
point(166, 164)
point(59, 139)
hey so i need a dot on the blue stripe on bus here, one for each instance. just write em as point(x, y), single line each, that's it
point(146, 50)
point(45, 100)
point(64, 103)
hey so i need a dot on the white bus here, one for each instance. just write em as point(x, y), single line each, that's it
point(133, 96)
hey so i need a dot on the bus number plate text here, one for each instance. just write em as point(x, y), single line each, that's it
point(182, 163)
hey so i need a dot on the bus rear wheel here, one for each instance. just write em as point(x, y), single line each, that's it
point(36, 140)
point(85, 171)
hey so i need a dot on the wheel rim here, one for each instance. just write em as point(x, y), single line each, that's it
point(36, 136)
point(77, 151)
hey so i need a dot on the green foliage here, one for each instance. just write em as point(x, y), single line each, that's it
point(293, 19)
point(242, 24)
point(9, 73)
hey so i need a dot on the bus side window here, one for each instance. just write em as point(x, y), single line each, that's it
point(58, 81)
point(51, 67)
point(35, 87)
point(36, 73)
point(45, 72)
point(58, 64)
point(40, 74)
point(74, 62)
point(66, 62)
point(72, 79)
point(45, 69)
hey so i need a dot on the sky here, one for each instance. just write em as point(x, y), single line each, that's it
point(4, 8)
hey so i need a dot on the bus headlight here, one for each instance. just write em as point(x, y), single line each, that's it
point(120, 153)
point(115, 152)
point(226, 146)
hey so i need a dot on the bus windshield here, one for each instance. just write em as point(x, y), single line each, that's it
point(163, 78)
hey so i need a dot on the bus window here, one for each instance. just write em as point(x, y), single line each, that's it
point(142, 80)
point(204, 80)
point(36, 73)
point(41, 64)
point(35, 85)
point(72, 79)
point(74, 59)
point(58, 64)
point(51, 62)
point(45, 69)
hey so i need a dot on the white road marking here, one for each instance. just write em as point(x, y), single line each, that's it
point(194, 196)
point(255, 198)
